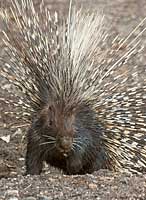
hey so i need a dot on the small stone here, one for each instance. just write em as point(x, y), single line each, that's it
point(21, 159)
point(13, 198)
point(12, 193)
point(45, 198)
point(92, 186)
point(18, 132)
point(2, 194)
point(29, 198)
point(5, 138)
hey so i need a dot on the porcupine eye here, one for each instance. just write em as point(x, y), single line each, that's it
point(50, 122)
point(50, 116)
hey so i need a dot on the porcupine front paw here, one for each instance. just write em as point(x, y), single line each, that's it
point(73, 165)
point(33, 162)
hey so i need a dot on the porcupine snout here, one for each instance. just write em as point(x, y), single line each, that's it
point(64, 144)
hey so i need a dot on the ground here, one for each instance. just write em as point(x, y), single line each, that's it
point(124, 15)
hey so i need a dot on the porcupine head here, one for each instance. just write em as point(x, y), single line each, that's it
point(65, 87)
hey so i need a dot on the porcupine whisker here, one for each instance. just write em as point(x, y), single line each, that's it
point(82, 148)
point(83, 141)
point(78, 141)
point(73, 148)
point(49, 137)
point(50, 142)
point(49, 149)
point(81, 144)
point(77, 145)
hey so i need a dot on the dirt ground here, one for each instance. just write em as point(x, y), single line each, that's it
point(124, 15)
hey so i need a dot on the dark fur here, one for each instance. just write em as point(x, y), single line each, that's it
point(88, 157)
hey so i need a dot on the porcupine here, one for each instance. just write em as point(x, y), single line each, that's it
point(85, 112)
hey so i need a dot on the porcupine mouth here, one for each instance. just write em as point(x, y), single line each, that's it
point(63, 152)
point(64, 145)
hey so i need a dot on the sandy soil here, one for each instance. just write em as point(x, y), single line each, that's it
point(52, 184)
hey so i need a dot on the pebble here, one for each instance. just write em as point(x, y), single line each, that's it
point(45, 198)
point(92, 186)
point(2, 194)
point(29, 198)
point(13, 198)
point(12, 193)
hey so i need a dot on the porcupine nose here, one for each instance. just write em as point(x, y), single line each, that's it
point(64, 144)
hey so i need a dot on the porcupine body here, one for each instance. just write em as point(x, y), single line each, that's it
point(85, 112)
